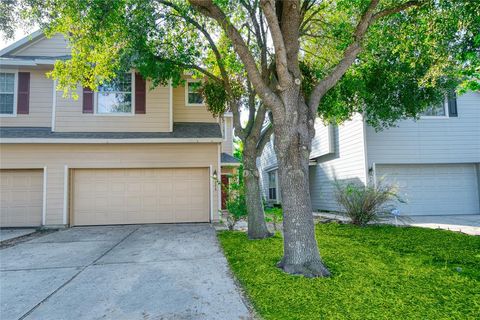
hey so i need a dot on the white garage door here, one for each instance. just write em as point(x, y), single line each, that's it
point(21, 198)
point(435, 189)
point(131, 196)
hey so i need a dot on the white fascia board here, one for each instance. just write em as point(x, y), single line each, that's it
point(231, 164)
point(108, 141)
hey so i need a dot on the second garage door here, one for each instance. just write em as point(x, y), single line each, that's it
point(435, 189)
point(132, 196)
point(21, 198)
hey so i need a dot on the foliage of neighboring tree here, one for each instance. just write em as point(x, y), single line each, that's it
point(387, 59)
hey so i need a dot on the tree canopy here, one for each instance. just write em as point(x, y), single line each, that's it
point(412, 54)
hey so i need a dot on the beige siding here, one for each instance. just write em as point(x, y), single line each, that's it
point(184, 113)
point(49, 47)
point(130, 196)
point(41, 99)
point(227, 144)
point(56, 156)
point(21, 198)
point(69, 116)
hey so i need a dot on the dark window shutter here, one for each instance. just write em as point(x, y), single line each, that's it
point(140, 94)
point(23, 97)
point(452, 105)
point(87, 106)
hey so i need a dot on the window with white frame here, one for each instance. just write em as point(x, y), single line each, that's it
point(438, 110)
point(272, 185)
point(7, 93)
point(116, 96)
point(193, 93)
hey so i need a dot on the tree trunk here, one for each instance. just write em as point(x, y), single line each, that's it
point(257, 227)
point(292, 147)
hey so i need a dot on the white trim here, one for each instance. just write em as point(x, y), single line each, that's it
point(44, 197)
point(170, 104)
point(224, 130)
point(113, 141)
point(65, 194)
point(211, 192)
point(219, 175)
point(54, 104)
point(365, 149)
point(21, 42)
point(116, 114)
point(15, 93)
point(186, 95)
point(231, 164)
point(228, 114)
point(374, 168)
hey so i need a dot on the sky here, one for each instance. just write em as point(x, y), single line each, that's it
point(19, 34)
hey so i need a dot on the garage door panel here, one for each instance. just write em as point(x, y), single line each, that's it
point(128, 196)
point(21, 198)
point(434, 189)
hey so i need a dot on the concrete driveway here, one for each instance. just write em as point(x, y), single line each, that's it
point(119, 272)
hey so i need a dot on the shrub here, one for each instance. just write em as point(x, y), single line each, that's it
point(235, 204)
point(366, 203)
point(275, 216)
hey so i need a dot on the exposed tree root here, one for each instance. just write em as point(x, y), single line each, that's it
point(311, 269)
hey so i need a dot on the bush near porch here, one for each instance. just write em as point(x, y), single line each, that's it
point(379, 272)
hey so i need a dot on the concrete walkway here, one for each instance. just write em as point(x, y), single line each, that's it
point(9, 234)
point(469, 224)
point(119, 272)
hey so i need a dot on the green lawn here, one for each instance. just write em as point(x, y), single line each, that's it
point(379, 272)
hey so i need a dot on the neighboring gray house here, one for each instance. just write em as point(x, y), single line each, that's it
point(435, 160)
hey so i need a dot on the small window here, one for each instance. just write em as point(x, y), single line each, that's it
point(272, 185)
point(116, 96)
point(439, 110)
point(7, 93)
point(194, 96)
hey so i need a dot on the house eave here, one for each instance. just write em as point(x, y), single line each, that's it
point(106, 141)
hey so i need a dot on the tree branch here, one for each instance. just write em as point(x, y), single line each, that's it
point(349, 57)
point(209, 9)
point(399, 8)
point(354, 49)
point(284, 78)
point(264, 138)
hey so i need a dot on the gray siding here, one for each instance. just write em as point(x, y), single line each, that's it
point(266, 162)
point(447, 140)
point(348, 163)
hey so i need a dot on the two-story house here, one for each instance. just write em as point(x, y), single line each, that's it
point(434, 161)
point(125, 154)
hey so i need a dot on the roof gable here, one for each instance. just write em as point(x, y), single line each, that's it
point(37, 45)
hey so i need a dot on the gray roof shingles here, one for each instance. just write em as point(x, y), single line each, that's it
point(226, 158)
point(180, 130)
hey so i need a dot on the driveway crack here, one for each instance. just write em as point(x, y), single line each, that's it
point(78, 273)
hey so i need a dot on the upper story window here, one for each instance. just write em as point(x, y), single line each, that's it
point(116, 97)
point(272, 185)
point(439, 110)
point(193, 95)
point(446, 109)
point(7, 93)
